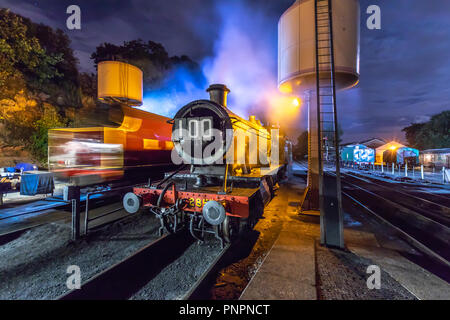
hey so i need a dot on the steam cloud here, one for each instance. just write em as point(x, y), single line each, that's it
point(245, 60)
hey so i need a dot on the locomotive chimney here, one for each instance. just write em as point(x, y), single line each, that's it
point(218, 93)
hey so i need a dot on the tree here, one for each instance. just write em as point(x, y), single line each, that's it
point(412, 134)
point(37, 70)
point(21, 56)
point(39, 140)
point(430, 135)
point(151, 57)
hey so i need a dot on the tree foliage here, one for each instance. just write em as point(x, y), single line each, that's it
point(37, 69)
point(432, 134)
point(39, 140)
point(151, 57)
point(22, 57)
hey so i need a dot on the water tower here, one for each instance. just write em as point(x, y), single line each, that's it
point(318, 54)
point(119, 82)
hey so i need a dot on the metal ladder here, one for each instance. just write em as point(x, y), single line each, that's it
point(328, 136)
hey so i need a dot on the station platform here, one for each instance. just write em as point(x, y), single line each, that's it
point(297, 267)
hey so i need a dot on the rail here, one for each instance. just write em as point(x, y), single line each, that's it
point(126, 277)
point(195, 292)
point(426, 234)
point(119, 191)
point(405, 235)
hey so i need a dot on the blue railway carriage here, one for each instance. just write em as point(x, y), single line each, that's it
point(402, 156)
point(435, 158)
point(357, 154)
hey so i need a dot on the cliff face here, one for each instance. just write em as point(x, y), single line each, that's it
point(24, 121)
point(10, 156)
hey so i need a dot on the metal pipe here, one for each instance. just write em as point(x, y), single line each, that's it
point(86, 214)
point(75, 220)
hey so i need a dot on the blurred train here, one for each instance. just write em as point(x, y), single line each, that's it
point(139, 147)
point(401, 156)
point(232, 166)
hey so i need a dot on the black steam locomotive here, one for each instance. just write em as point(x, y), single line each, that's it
point(230, 168)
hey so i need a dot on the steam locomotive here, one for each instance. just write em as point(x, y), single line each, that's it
point(230, 167)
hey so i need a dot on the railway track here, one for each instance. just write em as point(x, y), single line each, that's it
point(434, 210)
point(426, 231)
point(423, 194)
point(203, 283)
point(12, 221)
point(124, 279)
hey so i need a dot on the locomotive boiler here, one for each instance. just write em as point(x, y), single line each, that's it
point(230, 168)
point(208, 135)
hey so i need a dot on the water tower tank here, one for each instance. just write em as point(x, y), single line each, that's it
point(296, 45)
point(119, 82)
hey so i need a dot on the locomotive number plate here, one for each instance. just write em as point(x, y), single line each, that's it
point(197, 202)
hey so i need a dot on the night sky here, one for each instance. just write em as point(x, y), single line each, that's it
point(404, 66)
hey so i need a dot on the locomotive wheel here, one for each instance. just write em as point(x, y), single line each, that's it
point(195, 226)
point(256, 212)
point(270, 183)
point(230, 229)
point(169, 223)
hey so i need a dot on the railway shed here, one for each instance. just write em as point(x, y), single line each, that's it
point(436, 158)
point(380, 150)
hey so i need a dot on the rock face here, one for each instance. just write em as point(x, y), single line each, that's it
point(10, 156)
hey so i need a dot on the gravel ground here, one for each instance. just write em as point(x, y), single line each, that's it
point(176, 279)
point(34, 265)
point(342, 276)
